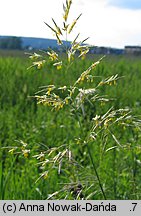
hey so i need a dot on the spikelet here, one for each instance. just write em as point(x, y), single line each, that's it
point(59, 41)
point(83, 51)
point(34, 56)
point(73, 24)
point(38, 64)
point(65, 26)
point(84, 75)
point(71, 54)
point(58, 65)
point(58, 30)
point(50, 27)
point(74, 41)
point(66, 9)
point(53, 55)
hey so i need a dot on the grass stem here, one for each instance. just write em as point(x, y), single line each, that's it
point(95, 170)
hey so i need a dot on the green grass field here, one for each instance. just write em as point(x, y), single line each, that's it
point(22, 119)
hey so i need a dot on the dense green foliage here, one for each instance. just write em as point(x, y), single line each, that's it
point(22, 119)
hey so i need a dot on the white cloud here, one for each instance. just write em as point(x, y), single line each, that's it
point(111, 26)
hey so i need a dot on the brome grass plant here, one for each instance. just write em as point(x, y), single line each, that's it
point(91, 129)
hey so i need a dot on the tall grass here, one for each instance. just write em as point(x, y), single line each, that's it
point(22, 119)
point(103, 129)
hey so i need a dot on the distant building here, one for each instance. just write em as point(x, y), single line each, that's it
point(132, 50)
point(105, 50)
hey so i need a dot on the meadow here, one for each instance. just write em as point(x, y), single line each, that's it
point(23, 122)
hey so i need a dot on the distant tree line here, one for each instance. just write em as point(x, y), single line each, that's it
point(10, 43)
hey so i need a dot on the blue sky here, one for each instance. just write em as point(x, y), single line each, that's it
point(113, 23)
point(130, 4)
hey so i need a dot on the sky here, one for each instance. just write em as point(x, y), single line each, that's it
point(111, 23)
